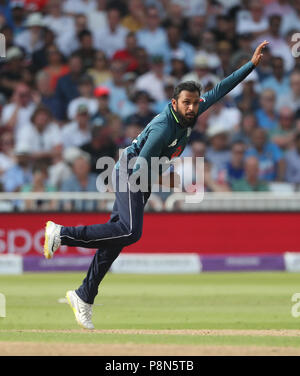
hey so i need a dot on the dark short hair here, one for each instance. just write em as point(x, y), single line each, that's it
point(191, 86)
point(83, 33)
point(40, 108)
point(297, 136)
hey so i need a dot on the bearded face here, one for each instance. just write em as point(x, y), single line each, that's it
point(186, 108)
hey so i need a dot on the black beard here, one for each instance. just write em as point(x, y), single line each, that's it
point(184, 122)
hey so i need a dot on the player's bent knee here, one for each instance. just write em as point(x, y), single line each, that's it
point(135, 236)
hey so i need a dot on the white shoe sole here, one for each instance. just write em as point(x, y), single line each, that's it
point(49, 239)
point(72, 305)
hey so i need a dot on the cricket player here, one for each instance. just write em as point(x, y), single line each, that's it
point(165, 136)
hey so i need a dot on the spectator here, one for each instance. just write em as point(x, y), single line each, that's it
point(279, 81)
point(153, 81)
point(281, 7)
point(112, 36)
point(229, 36)
point(283, 135)
point(143, 61)
point(20, 173)
point(97, 17)
point(44, 95)
point(169, 90)
point(101, 145)
point(176, 44)
point(252, 21)
point(271, 162)
point(116, 129)
point(135, 19)
point(153, 37)
point(86, 50)
point(178, 67)
point(67, 85)
point(18, 112)
point(17, 18)
point(40, 58)
point(118, 98)
point(144, 113)
point(192, 171)
point(57, 21)
point(11, 72)
point(195, 29)
point(277, 44)
point(252, 181)
point(266, 115)
point(78, 132)
point(292, 98)
point(210, 184)
point(6, 11)
point(86, 97)
point(131, 132)
point(248, 124)
point(59, 170)
point(297, 125)
point(208, 48)
point(39, 184)
point(68, 41)
point(192, 7)
point(201, 72)
point(291, 20)
point(229, 117)
point(235, 167)
point(7, 157)
point(221, 27)
point(73, 8)
point(127, 55)
point(218, 153)
point(31, 39)
point(129, 82)
point(292, 160)
point(102, 94)
point(175, 15)
point(244, 47)
point(247, 100)
point(100, 71)
point(225, 51)
point(82, 180)
point(40, 135)
point(56, 66)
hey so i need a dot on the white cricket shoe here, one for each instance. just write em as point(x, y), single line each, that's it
point(52, 239)
point(82, 310)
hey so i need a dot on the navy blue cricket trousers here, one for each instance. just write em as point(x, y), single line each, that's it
point(124, 228)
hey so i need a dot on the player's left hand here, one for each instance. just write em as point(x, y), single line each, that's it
point(258, 53)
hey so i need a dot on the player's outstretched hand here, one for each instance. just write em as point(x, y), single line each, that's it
point(258, 53)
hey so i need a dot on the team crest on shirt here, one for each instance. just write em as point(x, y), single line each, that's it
point(173, 143)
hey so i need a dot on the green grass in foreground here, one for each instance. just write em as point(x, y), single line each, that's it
point(204, 301)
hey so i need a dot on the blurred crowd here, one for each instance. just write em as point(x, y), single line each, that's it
point(82, 78)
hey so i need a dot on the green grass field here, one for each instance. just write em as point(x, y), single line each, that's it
point(236, 303)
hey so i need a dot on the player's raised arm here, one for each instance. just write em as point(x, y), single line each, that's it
point(228, 83)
